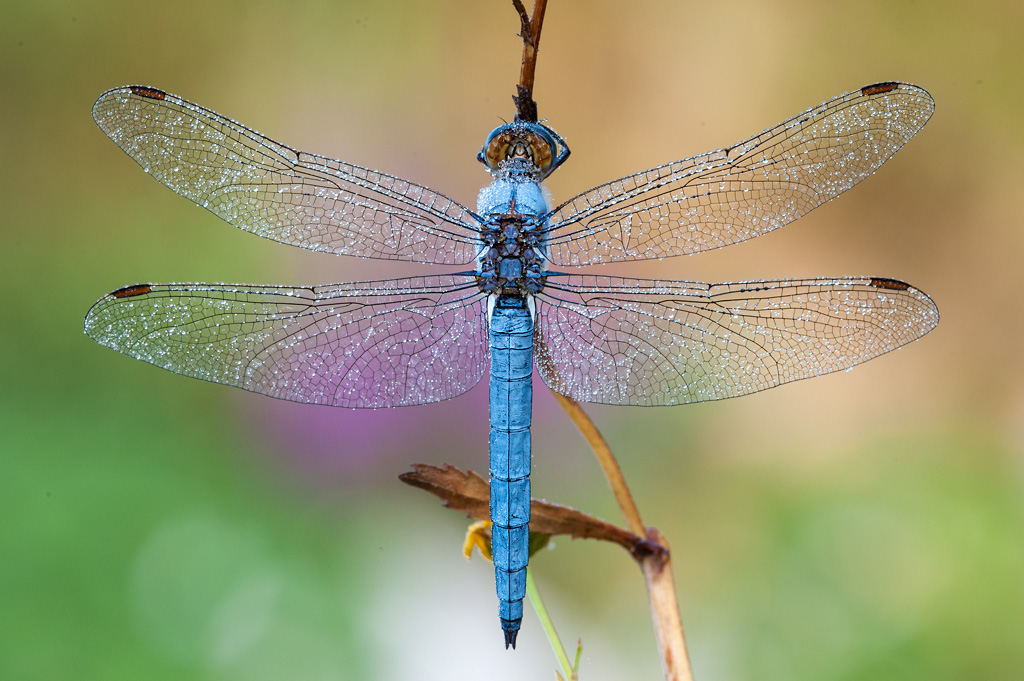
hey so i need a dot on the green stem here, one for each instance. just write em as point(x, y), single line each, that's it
point(549, 627)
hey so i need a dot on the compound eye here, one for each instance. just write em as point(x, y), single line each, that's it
point(497, 146)
point(519, 140)
point(541, 149)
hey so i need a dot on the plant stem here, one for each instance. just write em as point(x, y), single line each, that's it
point(656, 565)
point(668, 625)
point(549, 627)
point(608, 463)
point(530, 28)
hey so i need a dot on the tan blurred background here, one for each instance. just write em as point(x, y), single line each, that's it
point(866, 525)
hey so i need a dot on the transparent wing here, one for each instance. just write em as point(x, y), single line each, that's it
point(740, 192)
point(644, 342)
point(369, 344)
point(290, 196)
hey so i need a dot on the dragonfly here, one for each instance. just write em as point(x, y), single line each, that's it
point(502, 304)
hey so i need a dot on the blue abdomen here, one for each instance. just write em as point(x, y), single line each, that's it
point(511, 329)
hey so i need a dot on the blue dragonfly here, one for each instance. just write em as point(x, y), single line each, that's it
point(594, 338)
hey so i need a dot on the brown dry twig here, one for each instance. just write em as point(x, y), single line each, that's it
point(656, 565)
point(530, 27)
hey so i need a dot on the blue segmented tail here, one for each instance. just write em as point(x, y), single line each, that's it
point(511, 329)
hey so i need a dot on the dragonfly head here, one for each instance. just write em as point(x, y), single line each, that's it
point(533, 142)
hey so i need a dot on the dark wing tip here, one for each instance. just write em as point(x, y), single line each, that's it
point(114, 100)
point(146, 91)
point(908, 89)
point(129, 291)
point(122, 94)
point(879, 88)
point(891, 284)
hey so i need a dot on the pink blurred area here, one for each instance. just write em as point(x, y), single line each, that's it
point(337, 448)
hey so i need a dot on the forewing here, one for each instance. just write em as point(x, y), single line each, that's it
point(269, 189)
point(644, 342)
point(743, 191)
point(369, 344)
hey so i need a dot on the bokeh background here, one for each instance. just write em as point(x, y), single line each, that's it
point(866, 525)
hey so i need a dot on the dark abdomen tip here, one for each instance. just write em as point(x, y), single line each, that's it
point(510, 637)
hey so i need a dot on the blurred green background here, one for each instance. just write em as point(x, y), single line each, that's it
point(867, 525)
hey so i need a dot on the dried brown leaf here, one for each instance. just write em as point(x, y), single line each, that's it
point(469, 493)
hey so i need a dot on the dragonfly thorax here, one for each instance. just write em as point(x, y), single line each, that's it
point(511, 262)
